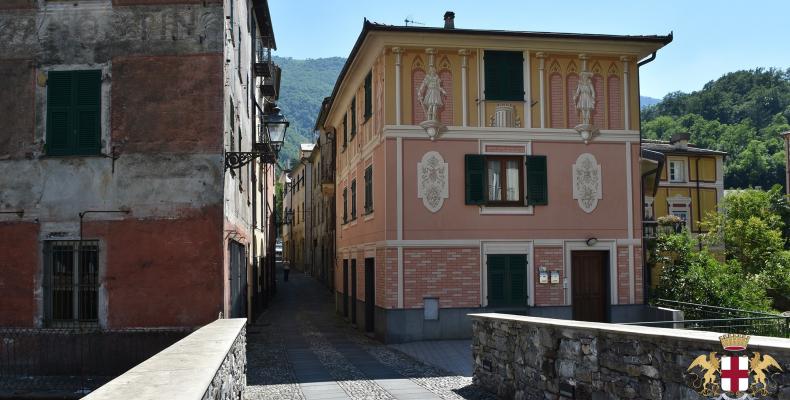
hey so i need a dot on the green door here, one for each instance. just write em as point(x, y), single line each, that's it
point(507, 280)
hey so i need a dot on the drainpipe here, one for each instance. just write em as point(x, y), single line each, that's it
point(645, 271)
point(699, 204)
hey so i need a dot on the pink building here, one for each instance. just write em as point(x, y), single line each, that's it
point(487, 170)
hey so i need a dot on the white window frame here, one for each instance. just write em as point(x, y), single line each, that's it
point(527, 151)
point(672, 203)
point(683, 172)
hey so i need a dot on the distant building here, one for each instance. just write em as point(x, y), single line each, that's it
point(486, 170)
point(299, 207)
point(691, 182)
point(323, 208)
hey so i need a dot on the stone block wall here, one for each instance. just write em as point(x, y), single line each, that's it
point(520, 357)
point(209, 364)
point(231, 378)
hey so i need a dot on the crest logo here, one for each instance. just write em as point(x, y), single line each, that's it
point(734, 373)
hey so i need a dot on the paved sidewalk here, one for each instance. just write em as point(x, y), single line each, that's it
point(451, 355)
point(299, 349)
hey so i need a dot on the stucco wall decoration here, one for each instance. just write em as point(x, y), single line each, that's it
point(432, 181)
point(587, 182)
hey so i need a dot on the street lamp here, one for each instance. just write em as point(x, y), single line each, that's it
point(267, 147)
point(276, 124)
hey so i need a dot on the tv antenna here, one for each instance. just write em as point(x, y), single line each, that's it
point(411, 21)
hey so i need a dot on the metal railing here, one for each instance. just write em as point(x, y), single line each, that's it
point(722, 319)
point(75, 360)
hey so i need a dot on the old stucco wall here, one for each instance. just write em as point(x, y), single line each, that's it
point(161, 118)
point(535, 358)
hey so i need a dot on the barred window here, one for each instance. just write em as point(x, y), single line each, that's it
point(71, 282)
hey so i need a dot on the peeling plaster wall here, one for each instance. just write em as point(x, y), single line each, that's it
point(162, 117)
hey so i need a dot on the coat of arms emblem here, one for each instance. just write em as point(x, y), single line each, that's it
point(734, 375)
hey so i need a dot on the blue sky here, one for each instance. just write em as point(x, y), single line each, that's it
point(711, 37)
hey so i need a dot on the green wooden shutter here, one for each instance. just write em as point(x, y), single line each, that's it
point(59, 113)
point(369, 95)
point(353, 117)
point(87, 112)
point(517, 282)
point(537, 181)
point(504, 75)
point(475, 178)
point(73, 112)
point(497, 280)
point(345, 130)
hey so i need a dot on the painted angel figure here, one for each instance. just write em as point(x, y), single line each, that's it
point(432, 99)
point(585, 96)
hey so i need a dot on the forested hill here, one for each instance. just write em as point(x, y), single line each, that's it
point(303, 87)
point(741, 113)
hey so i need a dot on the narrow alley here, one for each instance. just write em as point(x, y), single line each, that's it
point(299, 349)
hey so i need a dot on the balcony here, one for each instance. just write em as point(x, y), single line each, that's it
point(270, 87)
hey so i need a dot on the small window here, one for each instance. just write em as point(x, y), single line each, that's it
point(649, 214)
point(677, 171)
point(504, 75)
point(368, 95)
point(73, 113)
point(500, 180)
point(504, 179)
point(354, 199)
point(345, 205)
point(71, 283)
point(369, 189)
point(345, 130)
point(353, 117)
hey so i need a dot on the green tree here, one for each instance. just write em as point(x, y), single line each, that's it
point(697, 277)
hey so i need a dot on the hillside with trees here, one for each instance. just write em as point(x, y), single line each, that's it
point(741, 113)
point(304, 85)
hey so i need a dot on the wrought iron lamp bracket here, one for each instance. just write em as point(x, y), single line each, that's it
point(238, 159)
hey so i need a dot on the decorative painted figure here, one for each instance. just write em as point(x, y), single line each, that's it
point(432, 99)
point(585, 97)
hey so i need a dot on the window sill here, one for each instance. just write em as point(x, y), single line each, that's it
point(367, 216)
point(500, 210)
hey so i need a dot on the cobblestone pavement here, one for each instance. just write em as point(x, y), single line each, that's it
point(299, 349)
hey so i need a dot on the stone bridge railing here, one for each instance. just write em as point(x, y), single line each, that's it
point(209, 364)
point(519, 357)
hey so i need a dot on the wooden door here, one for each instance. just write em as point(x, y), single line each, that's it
point(589, 274)
point(370, 294)
point(345, 288)
point(353, 299)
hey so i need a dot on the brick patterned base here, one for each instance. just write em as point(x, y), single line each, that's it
point(548, 294)
point(451, 274)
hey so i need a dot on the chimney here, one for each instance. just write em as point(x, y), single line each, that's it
point(680, 140)
point(449, 20)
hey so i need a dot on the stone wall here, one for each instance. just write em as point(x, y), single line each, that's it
point(520, 357)
point(209, 364)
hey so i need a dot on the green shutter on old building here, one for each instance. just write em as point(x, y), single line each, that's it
point(504, 75)
point(537, 181)
point(517, 269)
point(475, 165)
point(74, 113)
point(497, 280)
point(353, 117)
point(507, 280)
point(369, 95)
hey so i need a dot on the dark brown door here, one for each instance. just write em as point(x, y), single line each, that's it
point(353, 290)
point(345, 288)
point(588, 283)
point(370, 294)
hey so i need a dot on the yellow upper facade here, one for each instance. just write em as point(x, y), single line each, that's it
point(691, 182)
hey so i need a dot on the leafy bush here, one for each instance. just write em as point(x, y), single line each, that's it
point(697, 277)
